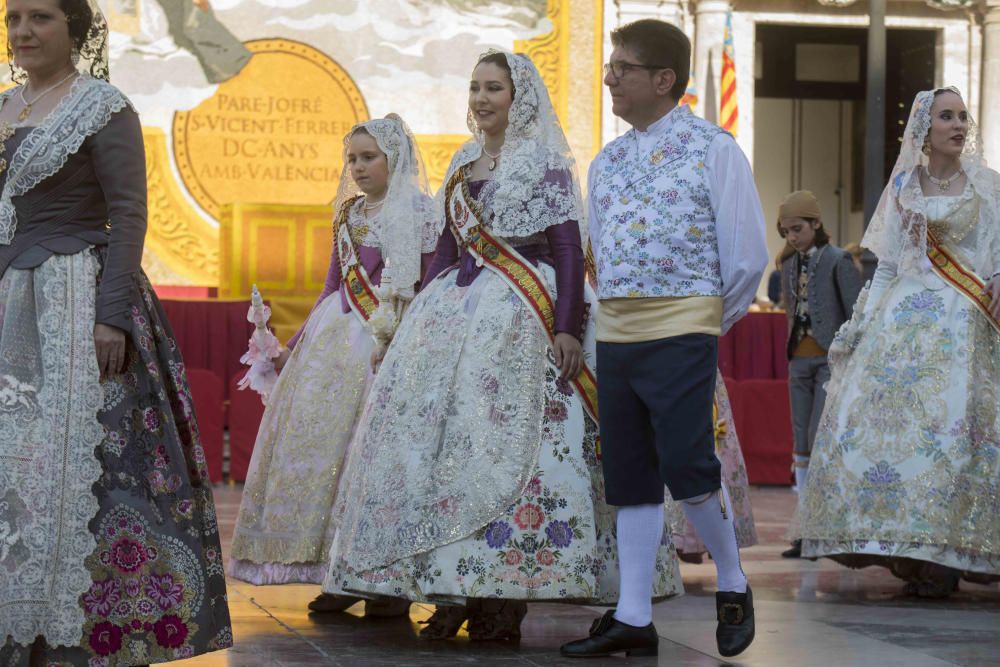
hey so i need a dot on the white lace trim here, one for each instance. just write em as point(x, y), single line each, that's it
point(405, 217)
point(84, 111)
point(47, 442)
point(897, 232)
point(535, 185)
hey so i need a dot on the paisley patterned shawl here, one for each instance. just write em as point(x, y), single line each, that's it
point(82, 112)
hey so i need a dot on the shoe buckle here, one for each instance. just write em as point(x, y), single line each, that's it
point(737, 612)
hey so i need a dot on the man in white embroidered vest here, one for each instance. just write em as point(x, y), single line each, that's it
point(678, 234)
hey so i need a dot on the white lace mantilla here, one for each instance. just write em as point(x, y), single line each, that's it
point(405, 217)
point(50, 396)
point(897, 232)
point(535, 185)
point(84, 111)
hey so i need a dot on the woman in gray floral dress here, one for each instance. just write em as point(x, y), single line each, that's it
point(109, 548)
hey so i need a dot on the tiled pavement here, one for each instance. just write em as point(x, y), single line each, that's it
point(808, 614)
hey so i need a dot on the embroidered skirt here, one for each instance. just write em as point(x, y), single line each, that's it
point(907, 454)
point(475, 471)
point(109, 544)
point(282, 532)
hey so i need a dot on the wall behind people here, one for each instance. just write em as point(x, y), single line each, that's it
point(246, 100)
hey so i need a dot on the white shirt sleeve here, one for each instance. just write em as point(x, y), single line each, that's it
point(593, 221)
point(739, 222)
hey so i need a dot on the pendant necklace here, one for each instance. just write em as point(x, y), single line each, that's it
point(944, 184)
point(493, 158)
point(26, 111)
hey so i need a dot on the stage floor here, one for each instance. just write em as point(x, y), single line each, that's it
point(808, 614)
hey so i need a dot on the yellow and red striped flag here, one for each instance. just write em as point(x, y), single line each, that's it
point(729, 113)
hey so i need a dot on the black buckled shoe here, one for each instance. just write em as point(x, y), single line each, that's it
point(736, 626)
point(608, 635)
point(795, 551)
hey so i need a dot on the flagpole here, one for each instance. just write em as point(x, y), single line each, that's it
point(875, 118)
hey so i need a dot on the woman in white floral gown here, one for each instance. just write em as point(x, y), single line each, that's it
point(906, 464)
point(384, 218)
point(474, 479)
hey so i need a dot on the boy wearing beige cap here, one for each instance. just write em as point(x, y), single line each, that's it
point(819, 285)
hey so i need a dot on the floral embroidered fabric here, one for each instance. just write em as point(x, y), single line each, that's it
point(282, 532)
point(555, 540)
point(908, 449)
point(654, 214)
point(143, 571)
point(499, 491)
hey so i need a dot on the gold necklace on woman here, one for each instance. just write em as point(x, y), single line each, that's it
point(26, 111)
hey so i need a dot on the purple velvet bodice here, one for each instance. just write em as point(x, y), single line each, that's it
point(371, 260)
point(563, 252)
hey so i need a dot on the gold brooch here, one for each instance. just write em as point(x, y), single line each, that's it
point(657, 157)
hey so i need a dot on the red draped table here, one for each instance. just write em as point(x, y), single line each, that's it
point(212, 335)
point(753, 358)
point(755, 348)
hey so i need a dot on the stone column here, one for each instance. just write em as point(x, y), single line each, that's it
point(709, 32)
point(671, 11)
point(989, 120)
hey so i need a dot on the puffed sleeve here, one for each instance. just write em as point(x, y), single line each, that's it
point(331, 285)
point(739, 226)
point(445, 255)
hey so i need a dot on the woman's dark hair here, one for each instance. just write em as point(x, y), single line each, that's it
point(925, 148)
point(80, 17)
point(500, 60)
point(87, 32)
point(658, 43)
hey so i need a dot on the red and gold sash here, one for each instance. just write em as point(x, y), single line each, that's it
point(948, 265)
point(358, 286)
point(464, 215)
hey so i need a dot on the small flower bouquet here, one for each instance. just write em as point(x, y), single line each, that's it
point(263, 349)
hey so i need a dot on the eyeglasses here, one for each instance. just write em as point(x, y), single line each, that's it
point(621, 68)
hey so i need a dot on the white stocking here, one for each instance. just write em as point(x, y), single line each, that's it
point(640, 529)
point(713, 519)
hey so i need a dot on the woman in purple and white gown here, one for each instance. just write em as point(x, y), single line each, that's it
point(383, 220)
point(474, 480)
